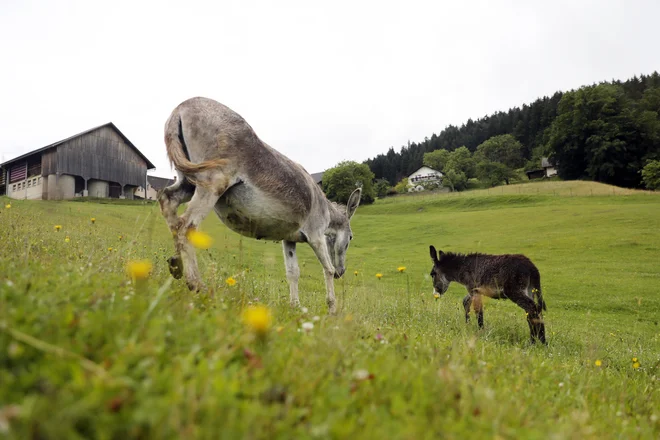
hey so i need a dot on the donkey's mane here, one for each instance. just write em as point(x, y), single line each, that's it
point(339, 207)
point(452, 258)
point(337, 213)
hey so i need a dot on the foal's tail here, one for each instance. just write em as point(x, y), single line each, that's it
point(535, 281)
point(177, 150)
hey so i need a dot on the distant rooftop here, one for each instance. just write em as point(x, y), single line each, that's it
point(318, 177)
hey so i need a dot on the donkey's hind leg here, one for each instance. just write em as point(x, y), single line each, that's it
point(534, 318)
point(201, 204)
point(292, 270)
point(169, 200)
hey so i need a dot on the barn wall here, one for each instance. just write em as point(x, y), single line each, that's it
point(49, 162)
point(103, 155)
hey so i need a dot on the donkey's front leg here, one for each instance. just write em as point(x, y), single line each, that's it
point(292, 270)
point(321, 250)
point(467, 302)
point(477, 300)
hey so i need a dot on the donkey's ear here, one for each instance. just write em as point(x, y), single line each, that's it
point(353, 202)
point(434, 254)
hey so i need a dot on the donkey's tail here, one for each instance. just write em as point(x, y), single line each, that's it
point(536, 290)
point(178, 152)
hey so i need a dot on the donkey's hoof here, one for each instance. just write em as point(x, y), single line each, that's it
point(195, 286)
point(295, 304)
point(175, 266)
point(332, 308)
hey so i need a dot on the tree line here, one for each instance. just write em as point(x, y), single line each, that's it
point(606, 132)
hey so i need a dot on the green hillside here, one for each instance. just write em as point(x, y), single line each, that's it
point(85, 353)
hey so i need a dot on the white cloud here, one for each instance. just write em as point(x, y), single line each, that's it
point(319, 82)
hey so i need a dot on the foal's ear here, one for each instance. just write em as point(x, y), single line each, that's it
point(353, 202)
point(434, 254)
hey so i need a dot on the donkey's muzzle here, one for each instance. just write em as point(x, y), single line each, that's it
point(176, 267)
point(339, 273)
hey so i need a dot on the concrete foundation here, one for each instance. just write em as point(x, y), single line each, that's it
point(53, 191)
point(66, 186)
point(98, 188)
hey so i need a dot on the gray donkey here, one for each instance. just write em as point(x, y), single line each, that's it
point(256, 191)
point(497, 276)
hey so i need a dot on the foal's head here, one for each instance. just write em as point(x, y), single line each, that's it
point(440, 281)
point(339, 234)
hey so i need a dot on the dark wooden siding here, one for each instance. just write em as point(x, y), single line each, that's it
point(101, 154)
point(49, 162)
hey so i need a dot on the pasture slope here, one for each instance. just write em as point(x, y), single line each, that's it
point(85, 353)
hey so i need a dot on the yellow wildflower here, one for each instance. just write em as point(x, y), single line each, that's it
point(258, 319)
point(634, 359)
point(598, 363)
point(139, 270)
point(57, 228)
point(401, 269)
point(8, 206)
point(230, 281)
point(636, 365)
point(109, 249)
point(66, 239)
point(199, 239)
point(379, 275)
point(436, 295)
point(92, 220)
point(355, 273)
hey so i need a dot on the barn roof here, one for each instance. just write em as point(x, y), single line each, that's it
point(159, 182)
point(55, 144)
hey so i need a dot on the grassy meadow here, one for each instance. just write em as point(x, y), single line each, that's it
point(87, 353)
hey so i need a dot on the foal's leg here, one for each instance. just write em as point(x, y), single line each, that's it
point(321, 250)
point(477, 300)
point(534, 318)
point(467, 302)
point(292, 270)
point(200, 205)
point(169, 199)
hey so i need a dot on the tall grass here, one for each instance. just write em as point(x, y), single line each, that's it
point(85, 353)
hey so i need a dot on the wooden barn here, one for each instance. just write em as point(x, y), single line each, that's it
point(100, 162)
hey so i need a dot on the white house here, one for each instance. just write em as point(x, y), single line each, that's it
point(424, 176)
point(549, 167)
point(154, 184)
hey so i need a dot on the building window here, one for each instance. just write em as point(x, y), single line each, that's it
point(29, 183)
point(34, 182)
point(13, 188)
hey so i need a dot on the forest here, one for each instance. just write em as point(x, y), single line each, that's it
point(605, 132)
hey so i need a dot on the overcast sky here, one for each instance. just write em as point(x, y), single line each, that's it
point(319, 81)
